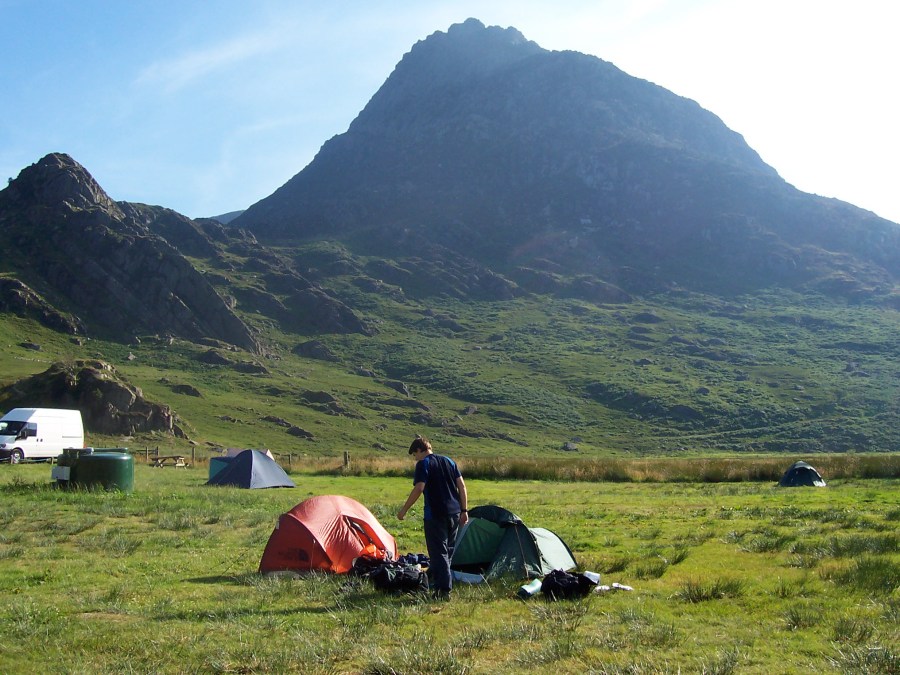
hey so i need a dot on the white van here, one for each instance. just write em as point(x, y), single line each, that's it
point(39, 433)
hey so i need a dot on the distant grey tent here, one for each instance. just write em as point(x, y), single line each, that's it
point(495, 542)
point(252, 469)
point(801, 474)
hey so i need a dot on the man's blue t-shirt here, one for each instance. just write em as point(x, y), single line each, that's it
point(439, 474)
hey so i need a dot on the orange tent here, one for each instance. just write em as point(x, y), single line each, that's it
point(325, 533)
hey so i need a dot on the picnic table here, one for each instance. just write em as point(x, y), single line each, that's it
point(168, 460)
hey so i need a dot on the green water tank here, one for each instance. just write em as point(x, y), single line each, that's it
point(69, 456)
point(109, 469)
point(66, 465)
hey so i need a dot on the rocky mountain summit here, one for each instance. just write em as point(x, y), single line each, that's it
point(89, 264)
point(75, 243)
point(527, 161)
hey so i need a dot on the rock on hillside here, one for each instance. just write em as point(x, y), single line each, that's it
point(485, 143)
point(186, 235)
point(103, 260)
point(108, 404)
point(19, 299)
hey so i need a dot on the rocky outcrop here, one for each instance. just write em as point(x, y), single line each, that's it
point(187, 236)
point(583, 286)
point(104, 259)
point(440, 272)
point(251, 368)
point(397, 386)
point(19, 299)
point(214, 358)
point(187, 390)
point(315, 311)
point(316, 349)
point(291, 429)
point(108, 404)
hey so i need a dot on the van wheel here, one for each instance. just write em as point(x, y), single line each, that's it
point(16, 456)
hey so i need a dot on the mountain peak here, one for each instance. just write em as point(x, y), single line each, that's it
point(519, 130)
point(73, 242)
point(58, 181)
point(486, 144)
point(465, 49)
point(473, 29)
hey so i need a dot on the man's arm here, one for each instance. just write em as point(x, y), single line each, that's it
point(463, 500)
point(417, 490)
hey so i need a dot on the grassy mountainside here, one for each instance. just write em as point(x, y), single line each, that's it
point(679, 373)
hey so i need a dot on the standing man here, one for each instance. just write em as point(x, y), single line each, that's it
point(446, 508)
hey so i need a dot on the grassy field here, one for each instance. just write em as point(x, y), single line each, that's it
point(727, 577)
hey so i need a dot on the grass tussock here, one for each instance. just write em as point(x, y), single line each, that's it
point(852, 629)
point(794, 588)
point(696, 590)
point(723, 662)
point(869, 574)
point(868, 659)
point(798, 617)
point(652, 568)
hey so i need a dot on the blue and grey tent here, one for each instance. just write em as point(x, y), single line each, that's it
point(252, 469)
point(495, 542)
point(801, 474)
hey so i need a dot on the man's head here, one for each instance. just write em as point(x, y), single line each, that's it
point(420, 447)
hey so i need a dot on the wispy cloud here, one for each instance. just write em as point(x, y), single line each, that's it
point(182, 70)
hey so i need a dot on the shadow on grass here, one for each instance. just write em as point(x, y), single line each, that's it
point(219, 579)
point(231, 614)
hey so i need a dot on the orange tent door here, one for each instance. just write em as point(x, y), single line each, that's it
point(293, 547)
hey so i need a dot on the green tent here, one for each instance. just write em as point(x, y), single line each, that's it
point(495, 542)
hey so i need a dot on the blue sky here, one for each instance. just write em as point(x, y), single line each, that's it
point(208, 106)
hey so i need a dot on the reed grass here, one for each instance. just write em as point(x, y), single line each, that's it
point(616, 470)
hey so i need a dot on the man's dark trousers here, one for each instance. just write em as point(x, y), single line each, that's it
point(440, 538)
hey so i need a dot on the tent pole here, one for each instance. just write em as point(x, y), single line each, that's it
point(522, 552)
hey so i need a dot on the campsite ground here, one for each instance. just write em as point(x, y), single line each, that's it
point(727, 577)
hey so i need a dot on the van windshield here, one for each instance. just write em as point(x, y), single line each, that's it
point(11, 428)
